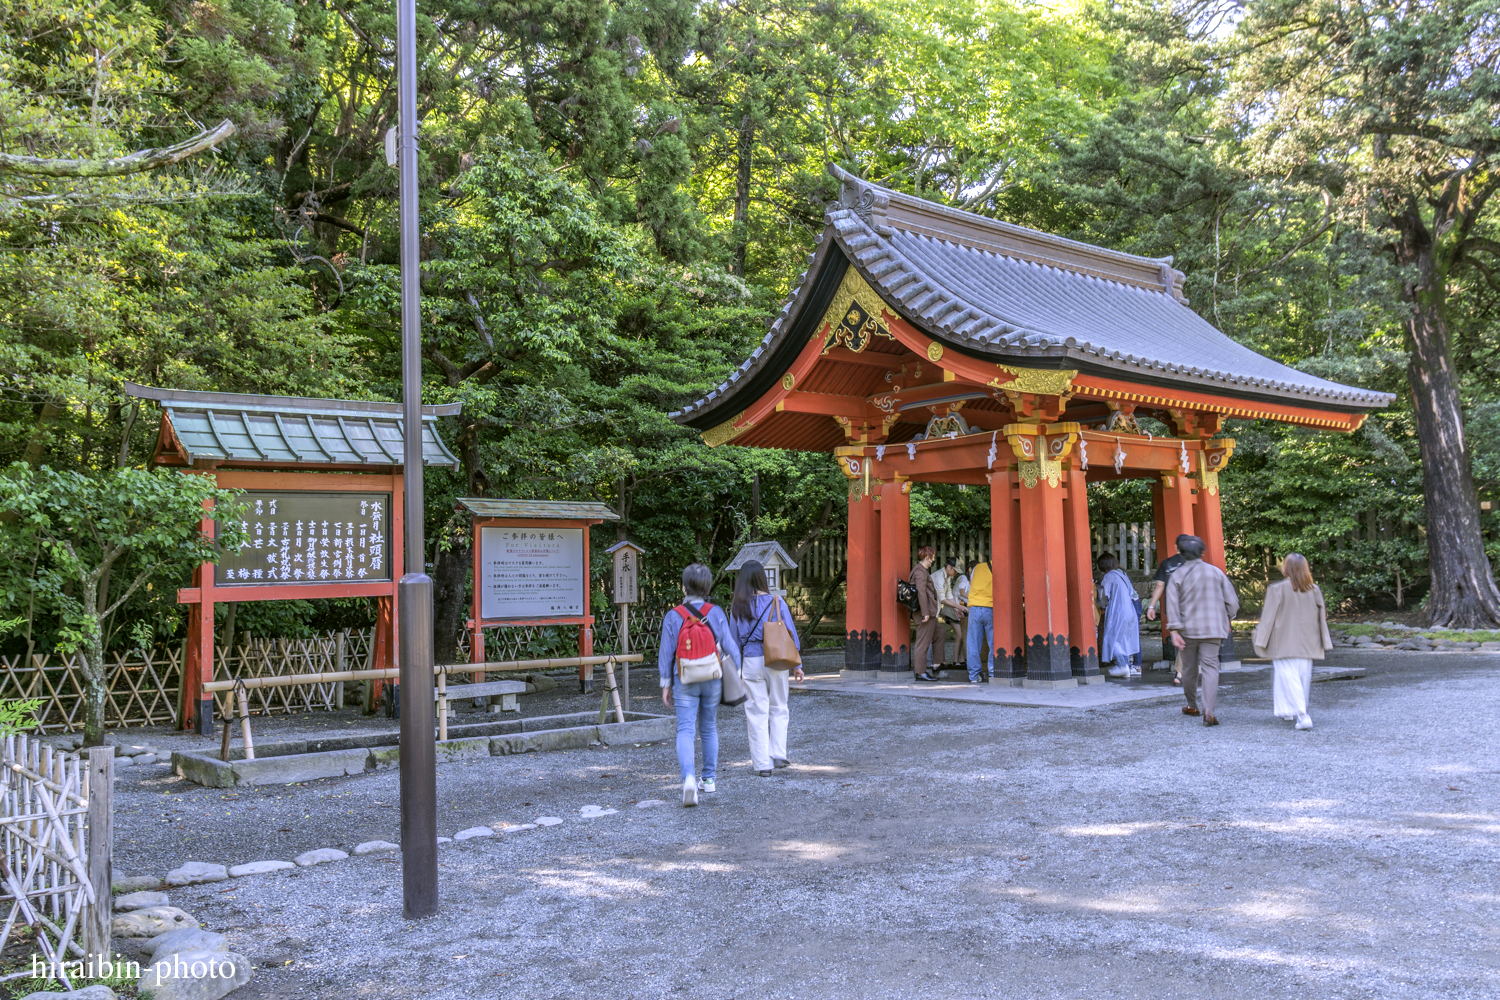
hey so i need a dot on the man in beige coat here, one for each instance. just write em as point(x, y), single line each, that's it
point(1200, 602)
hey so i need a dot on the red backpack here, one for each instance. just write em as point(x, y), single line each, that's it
point(697, 650)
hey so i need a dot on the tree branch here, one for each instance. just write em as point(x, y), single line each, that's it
point(134, 163)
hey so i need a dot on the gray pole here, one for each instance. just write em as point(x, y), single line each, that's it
point(414, 592)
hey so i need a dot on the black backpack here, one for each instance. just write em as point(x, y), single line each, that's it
point(907, 594)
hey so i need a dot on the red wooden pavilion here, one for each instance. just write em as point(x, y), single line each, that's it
point(927, 344)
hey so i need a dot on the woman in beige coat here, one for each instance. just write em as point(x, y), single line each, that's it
point(1293, 631)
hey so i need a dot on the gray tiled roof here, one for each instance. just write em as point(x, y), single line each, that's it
point(540, 509)
point(293, 430)
point(761, 552)
point(1021, 296)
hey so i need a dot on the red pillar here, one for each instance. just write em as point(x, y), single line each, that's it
point(385, 645)
point(1208, 521)
point(895, 562)
point(1005, 567)
point(862, 617)
point(198, 668)
point(1176, 511)
point(1083, 653)
point(1045, 581)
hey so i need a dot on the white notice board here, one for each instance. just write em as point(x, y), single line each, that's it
point(531, 572)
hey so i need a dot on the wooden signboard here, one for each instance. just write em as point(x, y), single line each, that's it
point(531, 567)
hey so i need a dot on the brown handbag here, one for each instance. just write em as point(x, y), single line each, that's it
point(781, 649)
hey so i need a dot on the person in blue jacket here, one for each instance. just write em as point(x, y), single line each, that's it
point(697, 705)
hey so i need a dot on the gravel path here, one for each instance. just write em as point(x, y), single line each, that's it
point(917, 849)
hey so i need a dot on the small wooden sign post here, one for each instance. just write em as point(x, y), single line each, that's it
point(627, 592)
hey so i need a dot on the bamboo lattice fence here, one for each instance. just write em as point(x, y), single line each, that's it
point(143, 685)
point(55, 873)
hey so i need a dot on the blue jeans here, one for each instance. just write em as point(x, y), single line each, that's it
point(697, 704)
point(981, 636)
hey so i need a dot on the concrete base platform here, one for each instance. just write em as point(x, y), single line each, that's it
point(1075, 696)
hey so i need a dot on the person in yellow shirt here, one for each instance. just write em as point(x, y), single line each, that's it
point(981, 623)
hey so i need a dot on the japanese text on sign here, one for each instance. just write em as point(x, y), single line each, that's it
point(302, 537)
point(531, 572)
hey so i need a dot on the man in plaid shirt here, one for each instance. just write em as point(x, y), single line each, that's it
point(1200, 602)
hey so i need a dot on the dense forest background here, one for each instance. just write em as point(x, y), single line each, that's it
point(617, 193)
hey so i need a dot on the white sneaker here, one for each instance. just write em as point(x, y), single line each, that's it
point(706, 787)
point(1119, 671)
point(1304, 721)
point(690, 791)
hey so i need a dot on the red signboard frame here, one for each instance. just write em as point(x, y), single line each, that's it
point(198, 670)
point(585, 622)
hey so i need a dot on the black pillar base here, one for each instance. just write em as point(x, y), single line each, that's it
point(862, 650)
point(1048, 660)
point(1084, 663)
point(206, 716)
point(1010, 666)
point(895, 660)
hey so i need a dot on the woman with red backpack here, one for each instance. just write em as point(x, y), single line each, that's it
point(695, 640)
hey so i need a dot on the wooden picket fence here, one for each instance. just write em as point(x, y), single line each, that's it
point(56, 838)
point(1133, 544)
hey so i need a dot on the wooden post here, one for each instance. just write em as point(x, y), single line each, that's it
point(244, 700)
point(1005, 570)
point(1177, 508)
point(1209, 522)
point(1045, 582)
point(96, 928)
point(863, 614)
point(1083, 650)
point(614, 692)
point(625, 650)
point(442, 686)
point(338, 689)
point(895, 563)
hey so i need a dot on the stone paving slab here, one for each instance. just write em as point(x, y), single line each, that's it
point(1083, 697)
point(1155, 688)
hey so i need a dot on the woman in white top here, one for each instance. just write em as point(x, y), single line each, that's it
point(766, 709)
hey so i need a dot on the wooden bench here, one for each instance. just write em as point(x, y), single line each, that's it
point(506, 690)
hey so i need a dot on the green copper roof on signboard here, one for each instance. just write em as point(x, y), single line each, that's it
point(290, 431)
point(554, 509)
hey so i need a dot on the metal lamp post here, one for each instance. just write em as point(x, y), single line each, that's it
point(414, 592)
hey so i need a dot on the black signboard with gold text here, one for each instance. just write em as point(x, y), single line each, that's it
point(296, 536)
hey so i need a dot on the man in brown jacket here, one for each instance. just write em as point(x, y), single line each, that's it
point(1200, 601)
point(927, 604)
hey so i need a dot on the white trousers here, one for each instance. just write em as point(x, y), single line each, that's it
point(765, 710)
point(1289, 687)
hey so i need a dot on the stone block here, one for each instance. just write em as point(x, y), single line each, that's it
point(473, 832)
point(195, 975)
point(578, 738)
point(321, 856)
point(376, 847)
point(300, 767)
point(187, 939)
point(383, 757)
point(203, 770)
point(135, 883)
point(463, 749)
point(195, 872)
point(140, 900)
point(151, 921)
point(87, 993)
point(642, 730)
point(259, 868)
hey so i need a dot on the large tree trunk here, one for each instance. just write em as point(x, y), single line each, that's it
point(1463, 593)
point(450, 599)
point(744, 151)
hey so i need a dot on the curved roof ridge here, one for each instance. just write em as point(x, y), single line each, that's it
point(879, 206)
